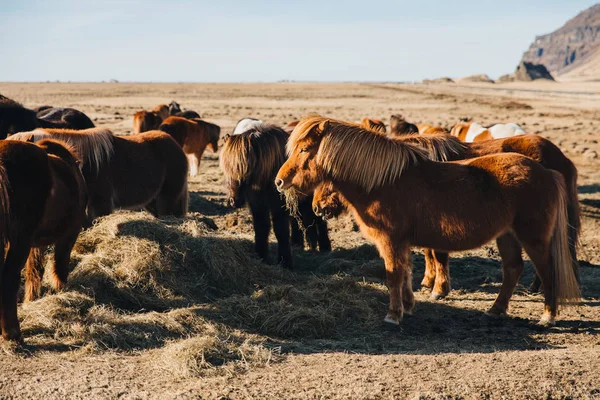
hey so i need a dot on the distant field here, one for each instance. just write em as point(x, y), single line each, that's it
point(181, 308)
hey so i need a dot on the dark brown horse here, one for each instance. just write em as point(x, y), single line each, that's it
point(147, 170)
point(399, 126)
point(42, 202)
point(193, 135)
point(175, 110)
point(403, 199)
point(66, 118)
point(250, 161)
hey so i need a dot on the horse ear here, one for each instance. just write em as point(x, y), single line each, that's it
point(323, 126)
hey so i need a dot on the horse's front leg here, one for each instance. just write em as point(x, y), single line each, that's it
point(397, 269)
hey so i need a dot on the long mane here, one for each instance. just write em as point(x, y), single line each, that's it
point(351, 154)
point(254, 156)
point(94, 145)
point(441, 147)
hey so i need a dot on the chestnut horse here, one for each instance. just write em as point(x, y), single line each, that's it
point(474, 132)
point(403, 199)
point(374, 125)
point(250, 161)
point(42, 202)
point(16, 118)
point(144, 121)
point(193, 135)
point(147, 170)
point(399, 126)
point(446, 148)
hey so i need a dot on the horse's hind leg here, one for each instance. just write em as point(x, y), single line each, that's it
point(429, 277)
point(34, 272)
point(297, 234)
point(11, 279)
point(259, 209)
point(441, 287)
point(408, 298)
point(323, 235)
point(62, 257)
point(281, 225)
point(541, 257)
point(512, 267)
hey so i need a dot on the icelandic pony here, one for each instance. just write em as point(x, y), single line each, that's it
point(474, 132)
point(144, 121)
point(428, 129)
point(448, 148)
point(246, 124)
point(42, 203)
point(374, 125)
point(399, 126)
point(403, 199)
point(147, 170)
point(250, 161)
point(66, 118)
point(193, 135)
point(290, 126)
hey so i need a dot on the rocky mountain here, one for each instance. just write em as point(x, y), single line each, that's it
point(572, 51)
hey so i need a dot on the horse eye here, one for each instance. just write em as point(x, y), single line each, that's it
point(304, 150)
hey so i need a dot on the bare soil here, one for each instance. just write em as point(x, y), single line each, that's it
point(316, 332)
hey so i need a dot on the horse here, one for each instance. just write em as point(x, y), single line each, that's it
point(428, 129)
point(67, 118)
point(147, 170)
point(246, 124)
point(373, 125)
point(193, 135)
point(16, 118)
point(250, 161)
point(474, 132)
point(290, 126)
point(144, 121)
point(448, 148)
point(403, 199)
point(399, 126)
point(42, 203)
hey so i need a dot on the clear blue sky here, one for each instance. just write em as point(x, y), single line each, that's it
point(259, 40)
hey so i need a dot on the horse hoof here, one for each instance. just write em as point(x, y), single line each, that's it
point(436, 296)
point(547, 320)
point(426, 285)
point(391, 320)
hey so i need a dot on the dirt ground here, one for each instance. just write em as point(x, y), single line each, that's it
point(446, 350)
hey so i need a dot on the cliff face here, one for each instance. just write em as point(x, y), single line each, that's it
point(571, 47)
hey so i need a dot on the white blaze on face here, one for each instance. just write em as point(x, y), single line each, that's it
point(245, 125)
point(500, 131)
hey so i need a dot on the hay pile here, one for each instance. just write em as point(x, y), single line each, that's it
point(198, 299)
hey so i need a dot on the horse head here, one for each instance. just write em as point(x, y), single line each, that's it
point(327, 202)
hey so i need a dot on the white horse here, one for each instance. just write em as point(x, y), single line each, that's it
point(245, 124)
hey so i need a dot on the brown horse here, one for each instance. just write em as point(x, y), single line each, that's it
point(144, 121)
point(446, 148)
point(428, 129)
point(193, 135)
point(42, 202)
point(250, 161)
point(66, 118)
point(399, 126)
point(147, 170)
point(374, 125)
point(403, 199)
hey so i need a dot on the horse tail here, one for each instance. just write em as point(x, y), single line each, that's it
point(4, 216)
point(574, 215)
point(566, 288)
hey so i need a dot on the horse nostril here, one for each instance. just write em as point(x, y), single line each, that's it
point(279, 183)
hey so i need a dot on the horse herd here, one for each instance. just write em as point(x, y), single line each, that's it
point(420, 186)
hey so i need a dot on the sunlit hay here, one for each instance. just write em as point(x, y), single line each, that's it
point(330, 307)
point(217, 350)
point(292, 199)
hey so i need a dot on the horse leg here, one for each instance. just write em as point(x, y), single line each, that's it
point(297, 234)
point(397, 262)
point(34, 272)
point(536, 284)
point(323, 235)
point(408, 298)
point(198, 156)
point(62, 257)
point(309, 222)
point(11, 279)
point(512, 267)
point(193, 164)
point(441, 287)
point(429, 277)
point(262, 224)
point(541, 257)
point(281, 225)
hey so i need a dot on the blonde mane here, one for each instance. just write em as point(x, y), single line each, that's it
point(441, 147)
point(94, 145)
point(351, 154)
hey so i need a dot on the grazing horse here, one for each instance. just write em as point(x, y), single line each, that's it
point(42, 202)
point(193, 135)
point(374, 125)
point(144, 121)
point(147, 170)
point(399, 126)
point(250, 161)
point(403, 199)
point(474, 132)
point(246, 124)
point(66, 118)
